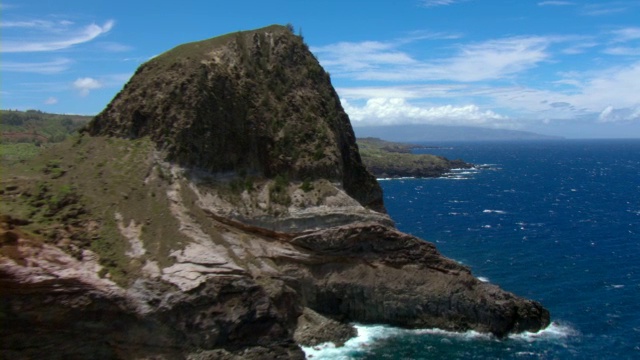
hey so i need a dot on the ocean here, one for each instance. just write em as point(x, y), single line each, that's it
point(554, 221)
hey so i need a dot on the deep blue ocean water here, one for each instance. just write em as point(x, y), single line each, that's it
point(554, 221)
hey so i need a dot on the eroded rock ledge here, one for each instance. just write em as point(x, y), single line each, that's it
point(362, 272)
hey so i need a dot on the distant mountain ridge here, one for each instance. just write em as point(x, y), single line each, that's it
point(419, 132)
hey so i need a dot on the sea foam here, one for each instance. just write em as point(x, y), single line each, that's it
point(489, 211)
point(555, 331)
point(368, 335)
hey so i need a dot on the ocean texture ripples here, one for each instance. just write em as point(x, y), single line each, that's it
point(555, 221)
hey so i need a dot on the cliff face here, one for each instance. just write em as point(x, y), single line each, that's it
point(255, 102)
point(220, 209)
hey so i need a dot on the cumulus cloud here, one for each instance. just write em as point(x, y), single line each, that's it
point(54, 36)
point(387, 111)
point(608, 95)
point(605, 95)
point(86, 84)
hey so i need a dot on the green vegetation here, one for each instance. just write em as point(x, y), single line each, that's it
point(37, 127)
point(269, 95)
point(387, 159)
point(279, 190)
point(242, 183)
point(70, 195)
point(24, 134)
point(18, 152)
point(193, 51)
point(307, 185)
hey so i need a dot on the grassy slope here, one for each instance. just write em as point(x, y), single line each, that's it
point(16, 126)
point(71, 192)
point(24, 134)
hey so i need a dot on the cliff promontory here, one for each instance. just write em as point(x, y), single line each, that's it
point(252, 102)
point(218, 208)
point(386, 159)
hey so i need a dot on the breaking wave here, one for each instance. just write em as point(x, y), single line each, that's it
point(370, 336)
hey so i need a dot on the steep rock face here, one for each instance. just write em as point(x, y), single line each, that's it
point(255, 102)
point(404, 281)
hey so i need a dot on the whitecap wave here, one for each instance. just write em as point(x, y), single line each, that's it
point(451, 176)
point(489, 211)
point(555, 331)
point(368, 335)
point(395, 178)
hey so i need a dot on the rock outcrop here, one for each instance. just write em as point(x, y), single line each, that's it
point(394, 160)
point(225, 213)
point(255, 102)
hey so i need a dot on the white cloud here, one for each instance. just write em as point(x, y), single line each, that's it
point(405, 92)
point(611, 114)
point(43, 24)
point(618, 87)
point(555, 3)
point(580, 47)
point(493, 59)
point(85, 85)
point(576, 96)
point(349, 57)
point(48, 67)
point(623, 51)
point(51, 101)
point(430, 35)
point(588, 97)
point(387, 111)
point(626, 34)
point(432, 3)
point(64, 37)
point(606, 8)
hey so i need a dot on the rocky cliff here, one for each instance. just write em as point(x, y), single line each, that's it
point(218, 208)
point(254, 102)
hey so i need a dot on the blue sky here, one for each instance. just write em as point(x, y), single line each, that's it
point(569, 68)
